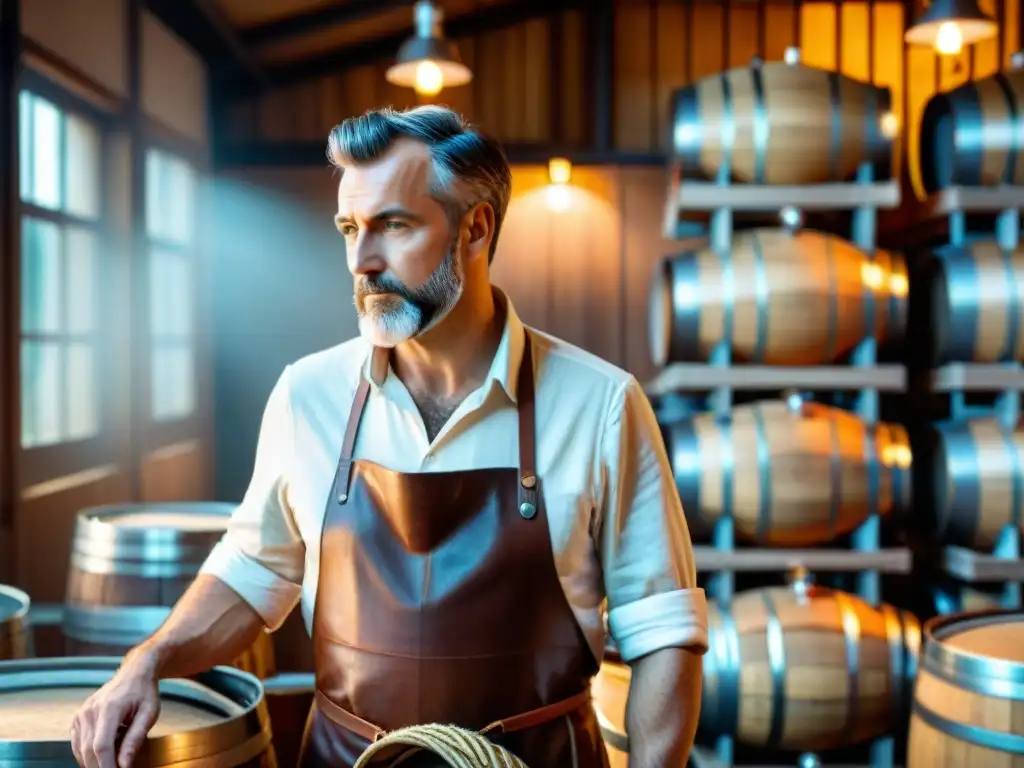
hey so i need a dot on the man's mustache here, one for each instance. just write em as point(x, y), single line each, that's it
point(370, 285)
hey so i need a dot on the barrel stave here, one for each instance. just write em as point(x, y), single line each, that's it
point(777, 298)
point(790, 672)
point(973, 135)
point(15, 635)
point(778, 123)
point(969, 695)
point(978, 481)
point(788, 478)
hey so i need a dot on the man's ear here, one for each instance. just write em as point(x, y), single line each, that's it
point(478, 230)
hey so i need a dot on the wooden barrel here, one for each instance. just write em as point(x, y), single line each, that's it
point(15, 636)
point(781, 123)
point(778, 298)
point(975, 299)
point(610, 690)
point(130, 564)
point(806, 668)
point(977, 473)
point(974, 134)
point(969, 696)
point(217, 720)
point(791, 473)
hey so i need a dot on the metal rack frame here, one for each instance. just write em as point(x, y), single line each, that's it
point(1006, 378)
point(864, 197)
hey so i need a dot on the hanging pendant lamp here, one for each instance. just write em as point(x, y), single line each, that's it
point(949, 25)
point(427, 61)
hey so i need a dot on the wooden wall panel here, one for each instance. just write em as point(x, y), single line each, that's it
point(173, 82)
point(90, 36)
point(177, 472)
point(520, 96)
point(47, 522)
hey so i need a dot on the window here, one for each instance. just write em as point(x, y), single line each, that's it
point(170, 214)
point(61, 192)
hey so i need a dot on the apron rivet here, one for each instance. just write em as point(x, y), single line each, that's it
point(342, 498)
point(529, 481)
point(527, 510)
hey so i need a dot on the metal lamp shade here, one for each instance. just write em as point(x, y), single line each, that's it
point(414, 51)
point(974, 24)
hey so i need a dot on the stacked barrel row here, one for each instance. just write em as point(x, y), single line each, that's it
point(798, 668)
point(129, 565)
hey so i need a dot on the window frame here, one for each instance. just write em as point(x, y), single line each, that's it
point(160, 433)
point(40, 463)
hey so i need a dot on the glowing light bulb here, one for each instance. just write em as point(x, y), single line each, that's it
point(949, 40)
point(429, 78)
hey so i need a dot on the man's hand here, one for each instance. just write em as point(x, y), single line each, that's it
point(131, 699)
point(663, 707)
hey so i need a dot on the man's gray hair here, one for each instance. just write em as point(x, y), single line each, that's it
point(469, 166)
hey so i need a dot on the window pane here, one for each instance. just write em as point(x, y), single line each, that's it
point(154, 196)
point(182, 198)
point(40, 276)
point(46, 154)
point(80, 263)
point(82, 406)
point(170, 294)
point(40, 393)
point(174, 386)
point(25, 139)
point(83, 164)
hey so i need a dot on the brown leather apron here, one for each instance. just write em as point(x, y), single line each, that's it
point(439, 602)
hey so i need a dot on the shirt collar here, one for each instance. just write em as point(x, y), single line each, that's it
point(504, 369)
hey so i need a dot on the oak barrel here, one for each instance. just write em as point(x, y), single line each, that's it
point(977, 474)
point(969, 696)
point(778, 298)
point(973, 135)
point(130, 564)
point(15, 635)
point(610, 690)
point(975, 298)
point(782, 123)
point(217, 720)
point(806, 668)
point(790, 473)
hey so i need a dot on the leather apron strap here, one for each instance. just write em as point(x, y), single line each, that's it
point(528, 482)
point(519, 722)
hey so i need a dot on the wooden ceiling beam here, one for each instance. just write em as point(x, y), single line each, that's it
point(348, 57)
point(201, 24)
point(317, 19)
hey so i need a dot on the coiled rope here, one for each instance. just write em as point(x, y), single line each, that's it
point(459, 747)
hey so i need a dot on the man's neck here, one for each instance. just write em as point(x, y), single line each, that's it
point(453, 359)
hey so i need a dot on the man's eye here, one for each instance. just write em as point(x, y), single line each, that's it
point(394, 224)
point(348, 230)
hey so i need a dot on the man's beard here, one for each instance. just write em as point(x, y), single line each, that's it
point(406, 313)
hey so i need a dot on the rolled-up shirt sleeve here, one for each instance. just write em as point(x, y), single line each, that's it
point(647, 558)
point(262, 555)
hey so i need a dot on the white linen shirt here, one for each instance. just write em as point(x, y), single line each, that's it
point(616, 522)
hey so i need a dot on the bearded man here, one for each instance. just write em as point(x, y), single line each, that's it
point(451, 496)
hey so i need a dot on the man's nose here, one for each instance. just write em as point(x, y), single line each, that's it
point(364, 255)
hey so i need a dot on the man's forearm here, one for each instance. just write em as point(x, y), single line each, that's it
point(663, 708)
point(210, 625)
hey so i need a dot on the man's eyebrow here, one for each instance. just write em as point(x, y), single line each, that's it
point(387, 213)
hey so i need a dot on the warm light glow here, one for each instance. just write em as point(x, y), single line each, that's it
point(871, 275)
point(558, 196)
point(559, 170)
point(949, 40)
point(896, 455)
point(429, 78)
point(898, 285)
point(889, 125)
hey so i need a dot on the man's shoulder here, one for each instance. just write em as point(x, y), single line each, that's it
point(566, 365)
point(335, 366)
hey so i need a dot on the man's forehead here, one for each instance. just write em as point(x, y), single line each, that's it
point(405, 170)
